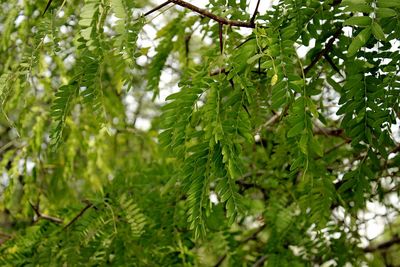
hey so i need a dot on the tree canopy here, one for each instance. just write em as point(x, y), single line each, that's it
point(136, 133)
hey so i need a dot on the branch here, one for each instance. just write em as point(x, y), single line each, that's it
point(260, 261)
point(6, 237)
point(336, 147)
point(208, 14)
point(324, 51)
point(156, 8)
point(221, 41)
point(328, 131)
point(220, 260)
point(253, 18)
point(218, 71)
point(88, 206)
point(47, 7)
point(333, 65)
point(384, 245)
point(396, 149)
point(44, 216)
point(7, 146)
point(272, 120)
point(138, 110)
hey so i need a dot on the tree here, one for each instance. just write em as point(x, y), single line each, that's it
point(279, 132)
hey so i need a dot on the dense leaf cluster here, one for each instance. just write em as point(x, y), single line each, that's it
point(279, 132)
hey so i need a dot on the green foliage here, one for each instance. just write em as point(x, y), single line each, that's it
point(270, 149)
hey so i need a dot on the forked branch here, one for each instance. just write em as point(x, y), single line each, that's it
point(44, 216)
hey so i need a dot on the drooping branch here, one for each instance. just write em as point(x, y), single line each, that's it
point(205, 13)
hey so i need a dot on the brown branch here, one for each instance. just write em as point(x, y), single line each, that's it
point(220, 260)
point(260, 261)
point(218, 72)
point(44, 216)
point(4, 237)
point(333, 65)
point(324, 51)
point(384, 245)
point(208, 14)
point(328, 131)
point(337, 146)
point(156, 8)
point(88, 206)
point(221, 40)
point(272, 120)
point(396, 149)
point(253, 18)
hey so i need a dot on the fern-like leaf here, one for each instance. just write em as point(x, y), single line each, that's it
point(60, 110)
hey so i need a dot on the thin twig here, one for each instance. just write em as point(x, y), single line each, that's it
point(88, 206)
point(156, 8)
point(6, 146)
point(272, 120)
point(253, 18)
point(44, 216)
point(138, 110)
point(260, 261)
point(221, 41)
point(328, 131)
point(336, 147)
point(333, 65)
point(220, 260)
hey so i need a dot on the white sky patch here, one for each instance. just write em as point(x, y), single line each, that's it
point(303, 50)
point(19, 20)
point(214, 198)
point(4, 179)
point(143, 124)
